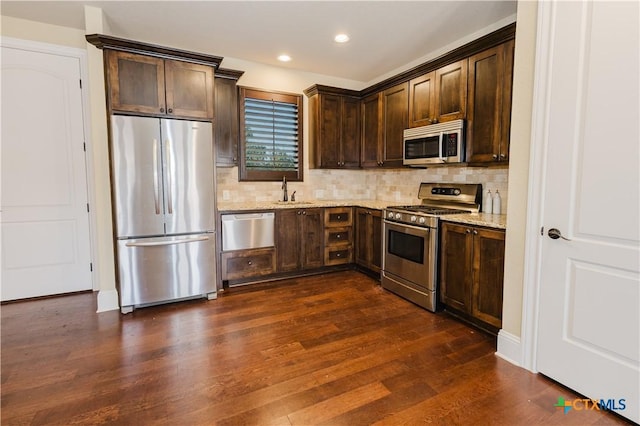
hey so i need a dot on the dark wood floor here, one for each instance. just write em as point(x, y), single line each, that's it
point(333, 349)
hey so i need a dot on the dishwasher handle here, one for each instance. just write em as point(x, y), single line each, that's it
point(247, 216)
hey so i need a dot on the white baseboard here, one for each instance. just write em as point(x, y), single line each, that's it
point(509, 348)
point(108, 300)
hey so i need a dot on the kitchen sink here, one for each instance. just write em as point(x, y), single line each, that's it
point(296, 203)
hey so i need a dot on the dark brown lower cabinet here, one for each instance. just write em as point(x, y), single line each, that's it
point(472, 273)
point(247, 264)
point(299, 239)
point(369, 239)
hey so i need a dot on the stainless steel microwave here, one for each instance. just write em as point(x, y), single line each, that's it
point(434, 144)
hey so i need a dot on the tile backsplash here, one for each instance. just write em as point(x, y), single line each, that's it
point(395, 186)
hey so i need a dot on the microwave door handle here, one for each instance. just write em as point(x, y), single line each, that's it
point(440, 140)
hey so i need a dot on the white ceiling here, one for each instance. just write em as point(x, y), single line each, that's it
point(385, 35)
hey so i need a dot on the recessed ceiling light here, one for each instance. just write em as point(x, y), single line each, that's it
point(341, 38)
point(284, 58)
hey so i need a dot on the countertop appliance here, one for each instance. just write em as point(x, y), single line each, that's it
point(247, 230)
point(434, 144)
point(410, 239)
point(163, 191)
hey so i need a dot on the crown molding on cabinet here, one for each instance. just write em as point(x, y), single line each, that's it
point(102, 41)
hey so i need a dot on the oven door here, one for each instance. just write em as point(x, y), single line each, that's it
point(409, 253)
point(408, 264)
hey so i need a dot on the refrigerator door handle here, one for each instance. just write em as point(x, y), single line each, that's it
point(167, 243)
point(169, 171)
point(156, 195)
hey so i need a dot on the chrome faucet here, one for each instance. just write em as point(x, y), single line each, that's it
point(284, 189)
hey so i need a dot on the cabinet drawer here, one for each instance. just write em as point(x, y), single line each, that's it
point(338, 216)
point(338, 236)
point(248, 263)
point(337, 255)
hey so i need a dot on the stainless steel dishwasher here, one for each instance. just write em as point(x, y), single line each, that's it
point(247, 231)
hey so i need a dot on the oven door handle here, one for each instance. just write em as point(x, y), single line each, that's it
point(404, 225)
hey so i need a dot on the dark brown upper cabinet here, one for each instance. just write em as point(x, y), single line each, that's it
point(371, 146)
point(438, 96)
point(227, 121)
point(150, 85)
point(489, 109)
point(422, 100)
point(384, 118)
point(334, 121)
point(395, 111)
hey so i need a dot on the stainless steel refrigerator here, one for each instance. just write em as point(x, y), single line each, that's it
point(163, 191)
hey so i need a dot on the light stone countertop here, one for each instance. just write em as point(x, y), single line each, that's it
point(226, 206)
point(498, 221)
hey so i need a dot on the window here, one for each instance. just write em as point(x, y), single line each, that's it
point(270, 136)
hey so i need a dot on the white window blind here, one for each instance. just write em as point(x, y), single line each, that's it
point(271, 135)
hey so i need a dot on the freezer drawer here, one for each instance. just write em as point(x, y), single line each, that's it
point(163, 269)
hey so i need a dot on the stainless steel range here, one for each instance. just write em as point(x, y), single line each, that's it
point(410, 239)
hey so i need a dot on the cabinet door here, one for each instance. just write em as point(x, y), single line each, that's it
point(375, 263)
point(451, 91)
point(330, 131)
point(456, 266)
point(189, 89)
point(288, 239)
point(422, 100)
point(371, 143)
point(350, 137)
point(395, 111)
point(489, 113)
point(488, 276)
point(136, 82)
point(312, 238)
point(362, 237)
point(227, 125)
point(369, 239)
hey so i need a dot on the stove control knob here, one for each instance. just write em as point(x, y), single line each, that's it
point(422, 220)
point(398, 216)
point(413, 218)
point(390, 215)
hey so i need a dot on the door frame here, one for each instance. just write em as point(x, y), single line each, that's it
point(81, 55)
point(537, 181)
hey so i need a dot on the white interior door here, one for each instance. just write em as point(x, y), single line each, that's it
point(589, 302)
point(44, 219)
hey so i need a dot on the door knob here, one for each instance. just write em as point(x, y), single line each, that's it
point(554, 234)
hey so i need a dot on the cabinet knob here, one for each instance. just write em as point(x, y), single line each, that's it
point(468, 231)
point(304, 212)
point(475, 232)
point(495, 156)
point(503, 156)
point(249, 263)
point(170, 110)
point(161, 109)
point(338, 236)
point(339, 217)
point(299, 213)
point(434, 121)
point(338, 254)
